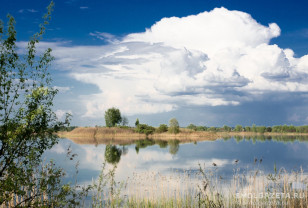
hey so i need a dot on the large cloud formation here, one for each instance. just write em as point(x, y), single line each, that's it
point(220, 57)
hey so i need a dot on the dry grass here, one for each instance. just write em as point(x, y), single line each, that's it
point(253, 188)
point(103, 135)
point(122, 136)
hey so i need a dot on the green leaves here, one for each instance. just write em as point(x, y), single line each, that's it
point(27, 122)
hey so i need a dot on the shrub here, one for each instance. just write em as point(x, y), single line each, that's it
point(201, 128)
point(238, 128)
point(192, 127)
point(162, 128)
point(145, 129)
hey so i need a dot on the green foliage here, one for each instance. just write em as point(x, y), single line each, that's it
point(27, 122)
point(145, 129)
point(192, 127)
point(213, 129)
point(261, 129)
point(254, 128)
point(112, 117)
point(174, 126)
point(137, 122)
point(247, 128)
point(269, 129)
point(112, 154)
point(162, 128)
point(226, 128)
point(201, 128)
point(238, 128)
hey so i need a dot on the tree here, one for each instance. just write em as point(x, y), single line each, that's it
point(112, 117)
point(174, 126)
point(162, 128)
point(227, 128)
point(192, 127)
point(27, 122)
point(137, 122)
point(238, 128)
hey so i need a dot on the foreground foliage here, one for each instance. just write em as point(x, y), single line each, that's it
point(27, 123)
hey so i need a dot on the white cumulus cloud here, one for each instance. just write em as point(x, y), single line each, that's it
point(220, 57)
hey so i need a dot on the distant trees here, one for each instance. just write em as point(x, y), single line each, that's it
point(238, 128)
point(192, 127)
point(174, 126)
point(227, 128)
point(112, 117)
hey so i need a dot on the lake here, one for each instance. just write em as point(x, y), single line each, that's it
point(145, 161)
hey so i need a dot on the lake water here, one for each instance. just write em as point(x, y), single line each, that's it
point(148, 159)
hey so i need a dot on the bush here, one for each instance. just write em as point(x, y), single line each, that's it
point(261, 129)
point(201, 128)
point(162, 128)
point(238, 128)
point(226, 128)
point(247, 128)
point(192, 127)
point(145, 129)
point(213, 129)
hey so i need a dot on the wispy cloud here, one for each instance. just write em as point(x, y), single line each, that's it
point(27, 10)
point(214, 58)
point(62, 89)
point(105, 36)
point(84, 7)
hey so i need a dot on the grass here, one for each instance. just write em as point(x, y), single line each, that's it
point(204, 187)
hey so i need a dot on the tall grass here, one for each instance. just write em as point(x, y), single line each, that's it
point(202, 187)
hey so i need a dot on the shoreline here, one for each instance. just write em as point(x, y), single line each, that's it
point(122, 136)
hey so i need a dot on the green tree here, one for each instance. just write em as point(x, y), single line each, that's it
point(174, 126)
point(247, 129)
point(162, 128)
point(112, 117)
point(254, 128)
point(27, 122)
point(238, 128)
point(227, 128)
point(192, 127)
point(137, 122)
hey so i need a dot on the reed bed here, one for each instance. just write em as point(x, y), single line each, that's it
point(206, 188)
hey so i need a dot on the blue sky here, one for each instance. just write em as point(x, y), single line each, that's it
point(209, 62)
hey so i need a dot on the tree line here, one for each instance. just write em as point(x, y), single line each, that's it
point(253, 128)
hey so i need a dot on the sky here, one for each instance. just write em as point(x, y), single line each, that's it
point(207, 62)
